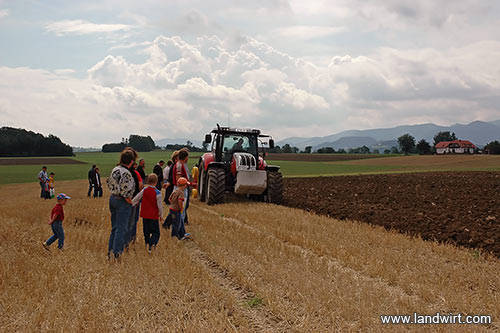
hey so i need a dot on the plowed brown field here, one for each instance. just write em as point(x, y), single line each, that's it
point(321, 157)
point(462, 208)
point(38, 161)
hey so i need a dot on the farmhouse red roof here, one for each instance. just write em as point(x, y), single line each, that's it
point(460, 143)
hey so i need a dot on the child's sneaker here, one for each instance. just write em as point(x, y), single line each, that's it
point(45, 246)
point(186, 236)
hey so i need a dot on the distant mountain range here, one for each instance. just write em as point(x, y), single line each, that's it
point(478, 132)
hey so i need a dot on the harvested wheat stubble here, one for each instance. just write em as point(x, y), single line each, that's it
point(79, 289)
point(343, 274)
point(250, 267)
point(462, 208)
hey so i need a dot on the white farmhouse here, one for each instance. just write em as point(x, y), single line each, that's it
point(455, 147)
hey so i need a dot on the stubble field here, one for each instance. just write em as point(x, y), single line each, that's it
point(249, 267)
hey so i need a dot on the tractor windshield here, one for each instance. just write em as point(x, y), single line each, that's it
point(234, 143)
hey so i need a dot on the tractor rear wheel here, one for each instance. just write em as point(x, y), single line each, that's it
point(202, 185)
point(274, 187)
point(216, 186)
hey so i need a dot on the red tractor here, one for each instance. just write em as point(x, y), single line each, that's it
point(234, 165)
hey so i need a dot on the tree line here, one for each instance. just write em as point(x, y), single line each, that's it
point(20, 142)
point(138, 142)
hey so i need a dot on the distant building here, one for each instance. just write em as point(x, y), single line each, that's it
point(455, 147)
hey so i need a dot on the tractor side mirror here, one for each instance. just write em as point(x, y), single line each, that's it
point(271, 143)
point(208, 138)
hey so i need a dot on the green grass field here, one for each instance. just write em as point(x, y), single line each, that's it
point(106, 161)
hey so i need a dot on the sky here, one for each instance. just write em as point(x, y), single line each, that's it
point(93, 72)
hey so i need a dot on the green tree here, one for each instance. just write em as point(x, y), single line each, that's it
point(493, 147)
point(308, 149)
point(376, 151)
point(394, 150)
point(423, 147)
point(444, 136)
point(141, 143)
point(20, 142)
point(387, 151)
point(406, 143)
point(286, 149)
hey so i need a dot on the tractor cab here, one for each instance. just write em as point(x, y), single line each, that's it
point(228, 141)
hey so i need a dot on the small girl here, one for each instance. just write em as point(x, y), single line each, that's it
point(52, 184)
point(151, 211)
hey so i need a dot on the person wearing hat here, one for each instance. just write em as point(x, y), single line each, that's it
point(176, 209)
point(55, 221)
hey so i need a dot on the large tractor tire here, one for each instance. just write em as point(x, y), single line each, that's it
point(274, 187)
point(216, 186)
point(202, 185)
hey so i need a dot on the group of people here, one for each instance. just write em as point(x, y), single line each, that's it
point(134, 194)
point(47, 183)
point(94, 177)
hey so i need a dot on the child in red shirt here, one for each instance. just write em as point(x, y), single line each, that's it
point(151, 211)
point(55, 221)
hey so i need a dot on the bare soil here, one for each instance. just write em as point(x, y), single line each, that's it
point(37, 161)
point(320, 157)
point(462, 208)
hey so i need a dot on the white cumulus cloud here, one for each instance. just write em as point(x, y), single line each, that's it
point(183, 88)
point(307, 31)
point(4, 13)
point(82, 27)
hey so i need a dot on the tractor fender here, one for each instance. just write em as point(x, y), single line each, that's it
point(272, 168)
point(205, 160)
point(216, 165)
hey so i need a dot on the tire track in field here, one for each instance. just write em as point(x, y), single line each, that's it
point(335, 263)
point(330, 261)
point(260, 318)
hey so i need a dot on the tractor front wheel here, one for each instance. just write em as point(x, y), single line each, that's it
point(216, 185)
point(202, 185)
point(274, 187)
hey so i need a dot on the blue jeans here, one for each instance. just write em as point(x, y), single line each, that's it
point(42, 193)
point(58, 231)
point(177, 225)
point(120, 215)
point(187, 193)
point(132, 224)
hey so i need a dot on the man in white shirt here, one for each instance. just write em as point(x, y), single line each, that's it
point(166, 171)
point(43, 178)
